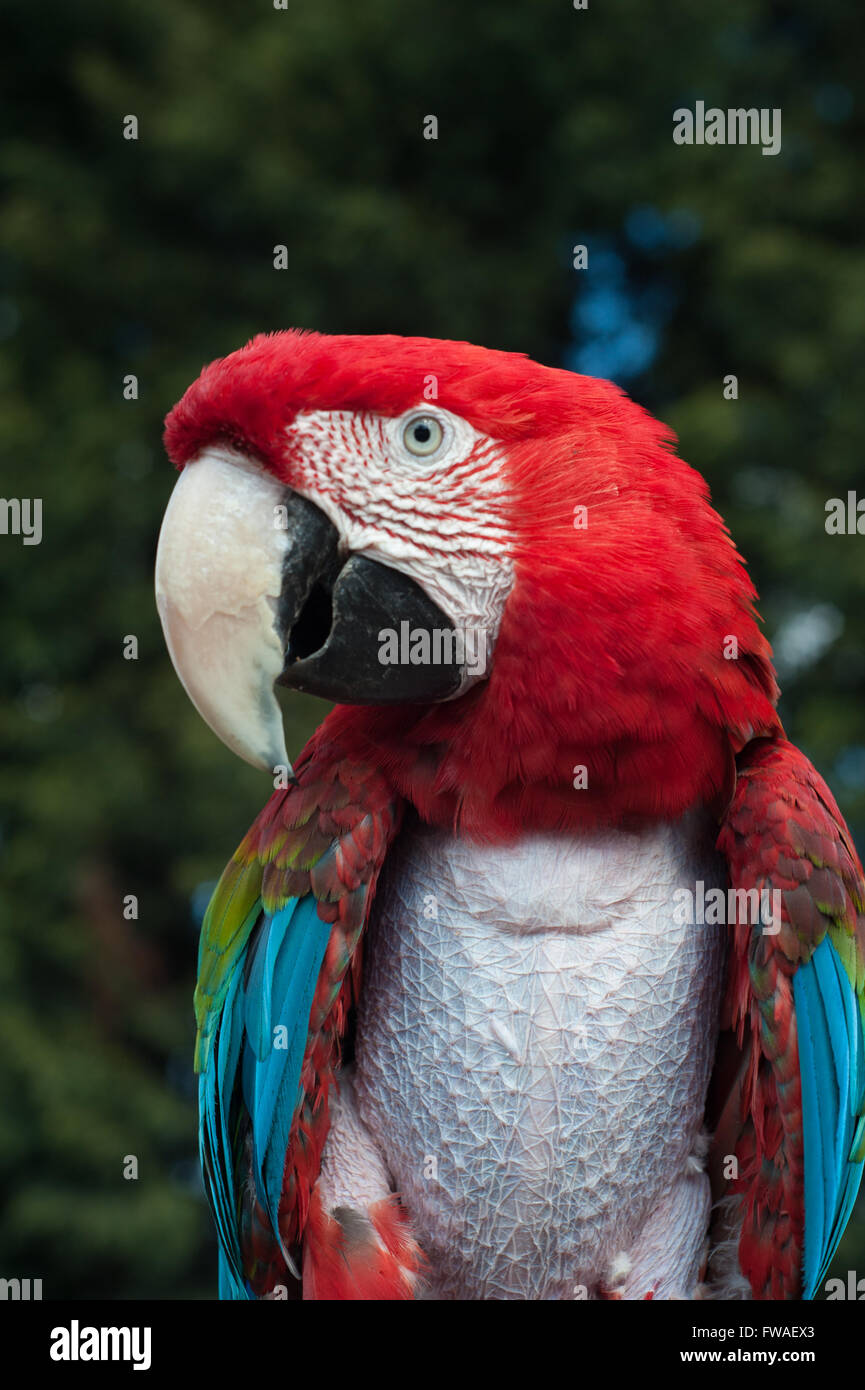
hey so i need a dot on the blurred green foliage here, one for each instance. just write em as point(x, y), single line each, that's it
point(303, 126)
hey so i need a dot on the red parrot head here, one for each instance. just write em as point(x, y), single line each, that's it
point(521, 599)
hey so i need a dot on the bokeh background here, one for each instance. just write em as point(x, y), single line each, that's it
point(303, 127)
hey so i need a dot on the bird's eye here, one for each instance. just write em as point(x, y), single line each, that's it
point(422, 435)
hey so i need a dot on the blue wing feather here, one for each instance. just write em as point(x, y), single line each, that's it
point(297, 954)
point(832, 1070)
point(804, 989)
point(272, 984)
point(256, 1009)
point(215, 1089)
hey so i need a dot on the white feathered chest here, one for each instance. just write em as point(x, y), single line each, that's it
point(534, 1044)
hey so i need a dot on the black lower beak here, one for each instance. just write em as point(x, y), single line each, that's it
point(356, 631)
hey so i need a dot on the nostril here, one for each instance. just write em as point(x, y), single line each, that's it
point(314, 622)
point(312, 563)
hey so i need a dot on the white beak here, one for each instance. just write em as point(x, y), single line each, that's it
point(218, 579)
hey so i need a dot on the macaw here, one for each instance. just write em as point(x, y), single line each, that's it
point(467, 1026)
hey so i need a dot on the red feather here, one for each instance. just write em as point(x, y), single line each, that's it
point(783, 832)
point(611, 653)
point(629, 647)
point(328, 835)
point(354, 1258)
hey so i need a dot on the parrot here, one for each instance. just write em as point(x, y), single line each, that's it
point(540, 975)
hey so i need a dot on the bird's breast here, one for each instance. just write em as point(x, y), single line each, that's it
point(534, 1043)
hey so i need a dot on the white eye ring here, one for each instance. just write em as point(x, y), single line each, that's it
point(422, 435)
